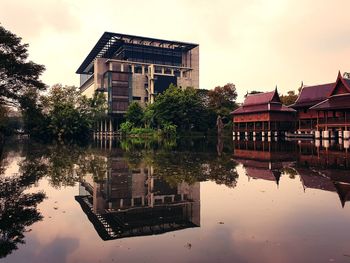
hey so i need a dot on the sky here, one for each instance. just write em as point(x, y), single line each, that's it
point(255, 44)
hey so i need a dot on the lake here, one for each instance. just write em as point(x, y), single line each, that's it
point(184, 200)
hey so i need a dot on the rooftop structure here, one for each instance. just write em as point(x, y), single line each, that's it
point(131, 68)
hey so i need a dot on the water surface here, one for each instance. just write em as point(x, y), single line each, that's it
point(193, 200)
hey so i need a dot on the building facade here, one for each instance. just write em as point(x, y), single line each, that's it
point(308, 97)
point(263, 114)
point(333, 113)
point(132, 68)
point(324, 110)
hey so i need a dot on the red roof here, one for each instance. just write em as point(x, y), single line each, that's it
point(311, 95)
point(261, 98)
point(261, 102)
point(335, 102)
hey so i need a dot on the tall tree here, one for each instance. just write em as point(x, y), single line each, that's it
point(16, 72)
point(223, 100)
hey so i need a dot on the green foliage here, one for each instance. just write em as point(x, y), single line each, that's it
point(35, 122)
point(16, 73)
point(63, 113)
point(135, 114)
point(290, 98)
point(169, 130)
point(126, 127)
point(182, 108)
point(222, 100)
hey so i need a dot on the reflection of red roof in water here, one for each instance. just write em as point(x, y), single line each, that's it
point(264, 174)
point(343, 191)
point(313, 180)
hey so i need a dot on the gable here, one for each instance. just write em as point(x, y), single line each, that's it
point(341, 86)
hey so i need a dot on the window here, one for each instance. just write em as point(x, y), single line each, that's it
point(136, 98)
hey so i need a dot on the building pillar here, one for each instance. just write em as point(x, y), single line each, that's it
point(143, 70)
point(346, 135)
point(110, 127)
point(317, 134)
point(122, 67)
point(325, 134)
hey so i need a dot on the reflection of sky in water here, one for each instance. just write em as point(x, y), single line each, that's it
point(256, 221)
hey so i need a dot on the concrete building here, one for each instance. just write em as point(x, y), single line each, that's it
point(132, 68)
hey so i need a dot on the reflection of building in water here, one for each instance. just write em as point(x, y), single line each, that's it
point(135, 203)
point(263, 160)
point(266, 160)
point(329, 180)
point(329, 155)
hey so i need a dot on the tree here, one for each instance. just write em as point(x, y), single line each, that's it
point(223, 100)
point(181, 108)
point(252, 93)
point(290, 98)
point(63, 113)
point(135, 114)
point(16, 73)
point(35, 122)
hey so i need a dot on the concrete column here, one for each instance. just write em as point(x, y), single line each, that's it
point(143, 70)
point(254, 134)
point(346, 144)
point(276, 133)
point(269, 133)
point(346, 135)
point(106, 129)
point(132, 68)
point(325, 134)
point(233, 134)
point(325, 143)
point(246, 134)
point(122, 67)
point(317, 134)
point(110, 127)
point(317, 143)
point(263, 134)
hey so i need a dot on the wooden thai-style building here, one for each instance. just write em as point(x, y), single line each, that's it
point(310, 96)
point(263, 113)
point(333, 113)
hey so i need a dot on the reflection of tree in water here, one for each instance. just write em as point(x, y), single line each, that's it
point(189, 167)
point(18, 210)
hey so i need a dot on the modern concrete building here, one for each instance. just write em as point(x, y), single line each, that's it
point(132, 68)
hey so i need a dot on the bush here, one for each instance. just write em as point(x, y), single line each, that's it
point(169, 130)
point(125, 127)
